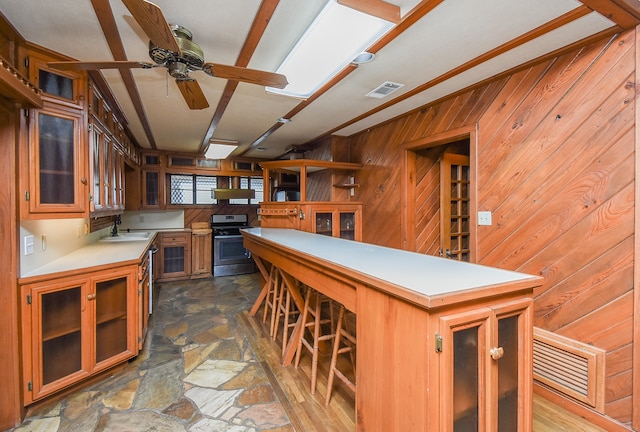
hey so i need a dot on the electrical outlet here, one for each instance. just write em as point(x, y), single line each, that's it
point(44, 242)
point(484, 218)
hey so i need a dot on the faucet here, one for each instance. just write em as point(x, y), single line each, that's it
point(117, 220)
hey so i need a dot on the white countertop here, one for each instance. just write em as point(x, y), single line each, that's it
point(94, 255)
point(425, 274)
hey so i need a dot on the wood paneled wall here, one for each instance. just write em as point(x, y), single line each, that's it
point(555, 166)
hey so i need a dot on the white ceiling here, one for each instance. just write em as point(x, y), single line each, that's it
point(453, 33)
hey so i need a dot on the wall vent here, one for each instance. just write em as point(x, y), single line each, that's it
point(384, 89)
point(568, 366)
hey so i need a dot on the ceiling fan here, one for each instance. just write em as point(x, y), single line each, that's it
point(172, 47)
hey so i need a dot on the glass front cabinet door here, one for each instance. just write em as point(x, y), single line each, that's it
point(74, 327)
point(57, 178)
point(486, 375)
point(336, 220)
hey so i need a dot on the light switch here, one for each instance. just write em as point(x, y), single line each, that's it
point(484, 218)
point(28, 245)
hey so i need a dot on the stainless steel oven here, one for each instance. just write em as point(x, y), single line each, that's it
point(229, 255)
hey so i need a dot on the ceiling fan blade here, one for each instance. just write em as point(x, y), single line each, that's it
point(152, 21)
point(192, 94)
point(94, 65)
point(251, 76)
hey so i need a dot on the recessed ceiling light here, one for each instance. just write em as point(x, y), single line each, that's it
point(363, 57)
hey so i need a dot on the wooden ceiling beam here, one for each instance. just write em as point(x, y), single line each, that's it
point(104, 13)
point(377, 8)
point(266, 11)
point(625, 13)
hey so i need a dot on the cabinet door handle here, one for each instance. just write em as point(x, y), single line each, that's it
point(91, 297)
point(496, 353)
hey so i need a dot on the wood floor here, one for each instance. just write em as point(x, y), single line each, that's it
point(308, 412)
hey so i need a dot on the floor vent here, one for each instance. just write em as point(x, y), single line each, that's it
point(570, 367)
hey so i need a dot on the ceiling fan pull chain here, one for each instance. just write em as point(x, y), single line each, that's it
point(166, 84)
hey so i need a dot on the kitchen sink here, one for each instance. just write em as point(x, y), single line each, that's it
point(128, 236)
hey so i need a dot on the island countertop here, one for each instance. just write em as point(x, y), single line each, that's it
point(419, 278)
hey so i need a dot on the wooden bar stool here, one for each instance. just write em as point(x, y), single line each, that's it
point(271, 299)
point(312, 319)
point(345, 336)
point(288, 312)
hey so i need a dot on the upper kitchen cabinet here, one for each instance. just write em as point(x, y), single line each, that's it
point(64, 88)
point(53, 161)
point(107, 149)
point(54, 182)
point(153, 192)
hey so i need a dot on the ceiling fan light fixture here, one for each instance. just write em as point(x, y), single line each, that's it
point(336, 36)
point(220, 149)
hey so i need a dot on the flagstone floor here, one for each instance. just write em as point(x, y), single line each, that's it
point(196, 373)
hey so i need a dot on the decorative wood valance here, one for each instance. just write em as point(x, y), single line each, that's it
point(15, 87)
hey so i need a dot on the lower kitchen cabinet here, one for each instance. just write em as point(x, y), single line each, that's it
point(201, 255)
point(74, 327)
point(175, 255)
point(485, 357)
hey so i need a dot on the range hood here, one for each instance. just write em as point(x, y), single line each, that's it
point(234, 193)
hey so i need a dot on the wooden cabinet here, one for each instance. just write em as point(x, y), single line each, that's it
point(336, 219)
point(144, 295)
point(53, 161)
point(341, 220)
point(201, 253)
point(153, 187)
point(486, 367)
point(56, 181)
point(107, 147)
point(76, 326)
point(175, 255)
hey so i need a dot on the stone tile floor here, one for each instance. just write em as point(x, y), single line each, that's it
point(196, 373)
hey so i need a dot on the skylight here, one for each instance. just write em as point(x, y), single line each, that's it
point(337, 36)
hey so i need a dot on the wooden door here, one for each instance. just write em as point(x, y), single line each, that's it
point(455, 196)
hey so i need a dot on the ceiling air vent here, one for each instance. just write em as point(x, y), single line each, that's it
point(384, 89)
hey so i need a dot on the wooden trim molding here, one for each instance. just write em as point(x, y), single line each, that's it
point(635, 393)
point(408, 180)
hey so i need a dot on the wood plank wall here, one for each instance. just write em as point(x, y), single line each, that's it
point(555, 158)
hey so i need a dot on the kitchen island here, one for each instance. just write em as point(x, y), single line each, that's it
point(441, 344)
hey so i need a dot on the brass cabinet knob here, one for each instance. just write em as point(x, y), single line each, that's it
point(496, 353)
point(91, 297)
